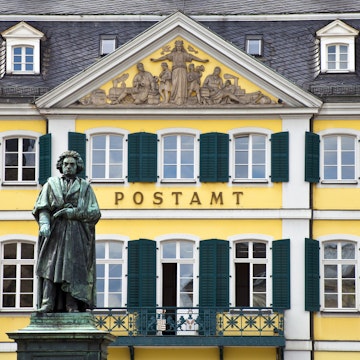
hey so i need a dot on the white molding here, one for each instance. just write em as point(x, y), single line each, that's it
point(343, 346)
point(8, 347)
point(155, 18)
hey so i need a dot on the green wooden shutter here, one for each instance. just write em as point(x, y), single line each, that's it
point(214, 273)
point(142, 157)
point(44, 158)
point(312, 157)
point(77, 142)
point(281, 274)
point(214, 157)
point(280, 157)
point(312, 275)
point(141, 273)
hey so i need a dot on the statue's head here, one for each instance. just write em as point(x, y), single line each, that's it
point(72, 154)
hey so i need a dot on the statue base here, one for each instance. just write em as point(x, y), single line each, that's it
point(61, 336)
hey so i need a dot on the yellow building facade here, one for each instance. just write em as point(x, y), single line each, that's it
point(229, 225)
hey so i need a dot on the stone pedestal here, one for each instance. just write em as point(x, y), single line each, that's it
point(61, 336)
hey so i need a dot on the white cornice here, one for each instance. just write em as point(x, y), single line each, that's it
point(340, 110)
point(156, 18)
point(18, 110)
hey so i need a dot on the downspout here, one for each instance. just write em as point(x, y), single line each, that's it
point(311, 223)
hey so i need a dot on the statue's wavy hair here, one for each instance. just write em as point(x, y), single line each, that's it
point(75, 155)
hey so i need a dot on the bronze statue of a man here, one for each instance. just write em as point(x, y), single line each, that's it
point(67, 211)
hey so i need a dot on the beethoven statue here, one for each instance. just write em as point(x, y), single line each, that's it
point(67, 211)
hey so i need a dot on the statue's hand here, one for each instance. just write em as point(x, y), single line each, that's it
point(68, 213)
point(44, 230)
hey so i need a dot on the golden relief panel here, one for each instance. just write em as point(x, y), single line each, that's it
point(184, 79)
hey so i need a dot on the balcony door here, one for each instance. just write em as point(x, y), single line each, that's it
point(177, 287)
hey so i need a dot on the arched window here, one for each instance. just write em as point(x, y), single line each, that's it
point(17, 275)
point(110, 273)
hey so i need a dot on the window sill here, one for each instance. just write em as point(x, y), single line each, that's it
point(106, 181)
point(178, 181)
point(19, 183)
point(251, 181)
point(339, 182)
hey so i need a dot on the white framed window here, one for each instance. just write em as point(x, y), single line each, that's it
point(22, 49)
point(254, 45)
point(339, 274)
point(107, 155)
point(251, 280)
point(337, 47)
point(179, 156)
point(339, 158)
point(337, 57)
point(110, 263)
point(250, 155)
point(107, 44)
point(19, 159)
point(17, 274)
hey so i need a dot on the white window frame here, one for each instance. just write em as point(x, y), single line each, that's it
point(338, 61)
point(105, 41)
point(18, 239)
point(336, 33)
point(338, 133)
point(108, 261)
point(160, 240)
point(178, 132)
point(260, 45)
point(338, 238)
point(106, 132)
point(249, 132)
point(19, 134)
point(22, 35)
point(250, 238)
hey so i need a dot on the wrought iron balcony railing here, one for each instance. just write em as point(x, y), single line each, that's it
point(171, 323)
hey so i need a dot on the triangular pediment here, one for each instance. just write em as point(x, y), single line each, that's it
point(337, 28)
point(177, 63)
point(22, 30)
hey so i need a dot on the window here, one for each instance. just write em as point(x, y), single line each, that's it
point(109, 273)
point(22, 49)
point(107, 157)
point(339, 274)
point(339, 158)
point(254, 45)
point(178, 155)
point(17, 274)
point(250, 157)
point(251, 274)
point(19, 160)
point(337, 57)
point(337, 47)
point(23, 59)
point(107, 44)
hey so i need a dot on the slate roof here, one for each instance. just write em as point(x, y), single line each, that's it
point(167, 7)
point(290, 47)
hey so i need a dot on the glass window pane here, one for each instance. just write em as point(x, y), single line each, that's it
point(348, 271)
point(331, 286)
point(330, 143)
point(347, 251)
point(259, 300)
point(100, 300)
point(100, 285)
point(8, 300)
point(242, 250)
point(115, 172)
point(100, 270)
point(330, 251)
point(170, 157)
point(115, 270)
point(170, 172)
point(26, 286)
point(186, 300)
point(115, 285)
point(170, 142)
point(186, 270)
point(259, 250)
point(115, 250)
point(348, 286)
point(26, 300)
point(330, 271)
point(348, 172)
point(186, 285)
point(100, 250)
point(99, 156)
point(28, 174)
point(9, 271)
point(348, 301)
point(259, 270)
point(10, 251)
point(187, 172)
point(98, 171)
point(9, 286)
point(27, 271)
point(186, 250)
point(331, 301)
point(115, 300)
point(99, 141)
point(169, 250)
point(259, 285)
point(116, 142)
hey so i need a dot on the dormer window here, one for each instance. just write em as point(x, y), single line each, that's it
point(22, 49)
point(107, 44)
point(337, 47)
point(254, 45)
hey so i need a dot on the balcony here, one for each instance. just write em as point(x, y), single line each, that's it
point(192, 326)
